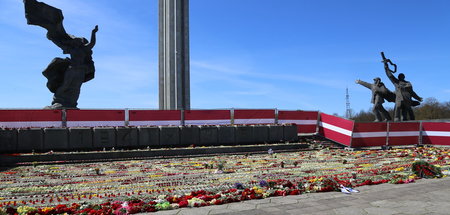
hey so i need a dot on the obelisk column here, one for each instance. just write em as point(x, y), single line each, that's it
point(174, 87)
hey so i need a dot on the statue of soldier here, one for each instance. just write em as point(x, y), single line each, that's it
point(379, 94)
point(403, 93)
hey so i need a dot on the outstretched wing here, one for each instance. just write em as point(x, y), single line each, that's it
point(48, 17)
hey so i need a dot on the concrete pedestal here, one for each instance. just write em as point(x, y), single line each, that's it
point(276, 133)
point(30, 140)
point(80, 138)
point(290, 133)
point(190, 135)
point(244, 135)
point(8, 140)
point(126, 137)
point(148, 136)
point(104, 137)
point(226, 135)
point(56, 139)
point(260, 134)
point(209, 135)
point(169, 136)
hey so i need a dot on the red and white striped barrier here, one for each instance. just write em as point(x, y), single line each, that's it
point(93, 118)
point(436, 133)
point(306, 121)
point(336, 128)
point(154, 117)
point(403, 133)
point(207, 117)
point(254, 117)
point(369, 134)
point(30, 118)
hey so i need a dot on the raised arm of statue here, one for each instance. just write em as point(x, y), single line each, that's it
point(363, 83)
point(389, 72)
point(91, 44)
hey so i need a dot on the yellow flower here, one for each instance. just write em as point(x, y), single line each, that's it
point(47, 209)
point(313, 180)
point(25, 210)
point(399, 169)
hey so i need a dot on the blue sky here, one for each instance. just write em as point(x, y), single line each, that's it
point(285, 54)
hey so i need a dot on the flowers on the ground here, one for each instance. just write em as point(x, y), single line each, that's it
point(128, 187)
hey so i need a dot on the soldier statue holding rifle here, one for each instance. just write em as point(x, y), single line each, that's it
point(403, 93)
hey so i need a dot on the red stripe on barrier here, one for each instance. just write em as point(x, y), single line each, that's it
point(436, 133)
point(369, 134)
point(336, 129)
point(404, 133)
point(207, 114)
point(29, 115)
point(207, 117)
point(304, 115)
point(254, 116)
point(436, 126)
point(95, 115)
point(337, 121)
point(306, 120)
point(155, 115)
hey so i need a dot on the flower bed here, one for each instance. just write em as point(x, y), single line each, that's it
point(151, 185)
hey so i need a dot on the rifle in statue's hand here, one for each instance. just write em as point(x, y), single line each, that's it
point(385, 60)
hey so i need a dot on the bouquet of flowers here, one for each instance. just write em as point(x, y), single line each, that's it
point(424, 169)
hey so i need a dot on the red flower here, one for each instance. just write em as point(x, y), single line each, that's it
point(11, 210)
point(134, 210)
point(218, 202)
point(183, 203)
point(294, 192)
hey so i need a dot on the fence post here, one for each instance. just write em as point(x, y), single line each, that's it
point(387, 133)
point(318, 122)
point(351, 136)
point(182, 118)
point(276, 115)
point(127, 116)
point(232, 116)
point(63, 118)
point(420, 134)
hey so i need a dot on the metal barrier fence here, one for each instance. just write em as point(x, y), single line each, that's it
point(343, 131)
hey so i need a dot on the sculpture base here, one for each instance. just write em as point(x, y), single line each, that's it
point(58, 106)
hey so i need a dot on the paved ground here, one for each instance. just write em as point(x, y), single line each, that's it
point(426, 196)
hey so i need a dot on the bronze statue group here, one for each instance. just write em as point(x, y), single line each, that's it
point(403, 95)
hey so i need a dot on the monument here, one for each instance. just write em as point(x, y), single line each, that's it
point(65, 76)
point(379, 94)
point(174, 86)
point(403, 93)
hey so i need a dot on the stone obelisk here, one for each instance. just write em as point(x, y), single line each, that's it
point(174, 87)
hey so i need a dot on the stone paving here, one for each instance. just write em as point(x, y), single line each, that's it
point(425, 196)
